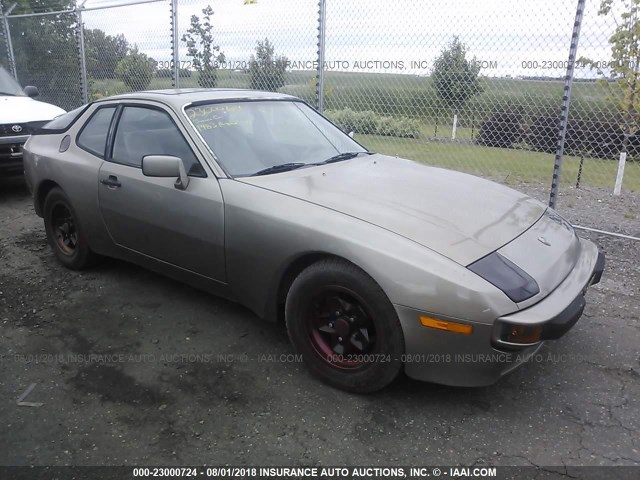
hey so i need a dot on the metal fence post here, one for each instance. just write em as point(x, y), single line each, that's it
point(175, 54)
point(320, 72)
point(7, 32)
point(4, 34)
point(81, 54)
point(566, 102)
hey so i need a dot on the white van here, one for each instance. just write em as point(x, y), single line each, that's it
point(20, 115)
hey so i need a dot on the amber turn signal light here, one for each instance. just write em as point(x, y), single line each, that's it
point(448, 326)
point(521, 333)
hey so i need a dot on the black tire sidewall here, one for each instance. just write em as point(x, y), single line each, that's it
point(82, 256)
point(389, 337)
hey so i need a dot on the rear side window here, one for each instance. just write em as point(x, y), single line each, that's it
point(93, 136)
point(64, 121)
point(145, 131)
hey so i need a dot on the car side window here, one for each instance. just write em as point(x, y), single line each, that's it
point(143, 131)
point(93, 136)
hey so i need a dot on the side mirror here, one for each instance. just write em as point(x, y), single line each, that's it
point(31, 91)
point(350, 134)
point(166, 166)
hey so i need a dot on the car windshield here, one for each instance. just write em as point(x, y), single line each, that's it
point(8, 85)
point(263, 137)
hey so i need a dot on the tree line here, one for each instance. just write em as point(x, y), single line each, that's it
point(47, 55)
point(113, 57)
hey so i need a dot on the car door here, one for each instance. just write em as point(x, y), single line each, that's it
point(151, 216)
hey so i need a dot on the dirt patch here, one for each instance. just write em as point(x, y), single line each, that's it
point(111, 384)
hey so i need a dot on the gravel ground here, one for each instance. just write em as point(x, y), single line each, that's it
point(133, 368)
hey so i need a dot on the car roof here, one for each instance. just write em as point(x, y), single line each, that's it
point(178, 97)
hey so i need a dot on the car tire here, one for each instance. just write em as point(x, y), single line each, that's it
point(64, 232)
point(344, 326)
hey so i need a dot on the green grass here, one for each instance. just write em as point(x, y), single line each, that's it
point(509, 166)
point(394, 94)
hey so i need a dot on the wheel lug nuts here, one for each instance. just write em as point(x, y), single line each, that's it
point(339, 339)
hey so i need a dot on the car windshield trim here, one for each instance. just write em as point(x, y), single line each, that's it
point(217, 101)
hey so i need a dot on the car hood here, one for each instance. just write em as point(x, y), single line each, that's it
point(26, 109)
point(460, 216)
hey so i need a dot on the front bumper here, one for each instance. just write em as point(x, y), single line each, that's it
point(11, 155)
point(561, 309)
point(482, 358)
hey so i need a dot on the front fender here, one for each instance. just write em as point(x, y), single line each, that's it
point(265, 231)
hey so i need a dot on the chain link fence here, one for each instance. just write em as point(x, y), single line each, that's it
point(45, 49)
point(600, 114)
point(285, 33)
point(4, 44)
point(127, 48)
point(447, 86)
point(477, 88)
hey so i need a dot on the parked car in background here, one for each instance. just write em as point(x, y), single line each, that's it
point(20, 115)
point(378, 263)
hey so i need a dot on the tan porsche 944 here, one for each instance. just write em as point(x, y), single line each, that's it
point(377, 263)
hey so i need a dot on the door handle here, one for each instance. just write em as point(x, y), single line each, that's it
point(111, 182)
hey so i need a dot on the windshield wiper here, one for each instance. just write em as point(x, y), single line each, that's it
point(285, 167)
point(343, 156)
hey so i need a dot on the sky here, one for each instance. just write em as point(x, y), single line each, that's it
point(507, 37)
